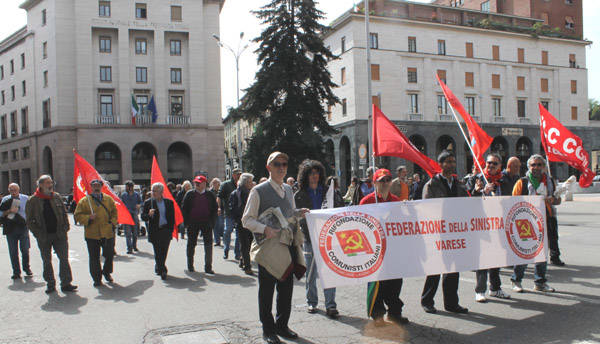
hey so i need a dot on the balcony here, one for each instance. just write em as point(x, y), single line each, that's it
point(445, 118)
point(498, 119)
point(415, 116)
point(106, 120)
point(178, 120)
point(143, 119)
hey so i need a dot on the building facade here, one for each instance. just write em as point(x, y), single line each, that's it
point(70, 77)
point(237, 132)
point(499, 76)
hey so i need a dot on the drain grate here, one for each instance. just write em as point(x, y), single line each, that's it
point(207, 336)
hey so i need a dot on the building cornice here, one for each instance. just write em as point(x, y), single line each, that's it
point(14, 39)
point(220, 2)
point(28, 4)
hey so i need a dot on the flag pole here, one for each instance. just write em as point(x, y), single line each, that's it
point(369, 90)
point(545, 149)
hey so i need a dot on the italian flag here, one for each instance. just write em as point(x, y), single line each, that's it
point(134, 109)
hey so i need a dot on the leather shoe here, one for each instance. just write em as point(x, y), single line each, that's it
point(163, 275)
point(287, 333)
point(191, 268)
point(108, 278)
point(557, 262)
point(15, 276)
point(249, 272)
point(209, 271)
point(50, 289)
point(68, 287)
point(332, 312)
point(398, 319)
point(429, 309)
point(98, 284)
point(457, 309)
point(28, 272)
point(271, 339)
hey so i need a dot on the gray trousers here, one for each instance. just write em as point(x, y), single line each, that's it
point(61, 248)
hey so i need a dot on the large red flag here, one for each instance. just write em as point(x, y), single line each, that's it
point(388, 140)
point(87, 173)
point(480, 140)
point(157, 177)
point(561, 145)
point(79, 190)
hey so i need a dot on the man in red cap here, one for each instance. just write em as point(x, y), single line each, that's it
point(387, 291)
point(199, 216)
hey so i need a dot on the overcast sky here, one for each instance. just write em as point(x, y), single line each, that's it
point(236, 17)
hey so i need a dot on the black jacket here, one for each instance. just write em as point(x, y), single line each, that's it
point(303, 201)
point(437, 187)
point(506, 185)
point(237, 204)
point(188, 201)
point(18, 222)
point(154, 232)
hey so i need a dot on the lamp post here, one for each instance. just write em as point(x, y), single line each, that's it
point(236, 54)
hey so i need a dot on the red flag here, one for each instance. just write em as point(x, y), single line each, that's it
point(561, 145)
point(388, 140)
point(480, 140)
point(87, 173)
point(157, 177)
point(78, 189)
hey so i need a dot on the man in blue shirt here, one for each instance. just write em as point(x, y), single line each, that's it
point(12, 214)
point(133, 202)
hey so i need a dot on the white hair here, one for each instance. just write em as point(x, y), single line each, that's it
point(186, 184)
point(43, 178)
point(157, 185)
point(245, 177)
point(534, 158)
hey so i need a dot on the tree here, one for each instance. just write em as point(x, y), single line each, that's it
point(291, 88)
point(594, 110)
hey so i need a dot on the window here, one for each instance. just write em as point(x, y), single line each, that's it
point(441, 73)
point(2, 72)
point(496, 107)
point(546, 104)
point(569, 23)
point(176, 13)
point(441, 47)
point(521, 108)
point(572, 61)
point(5, 156)
point(412, 75)
point(46, 117)
point(574, 113)
point(140, 11)
point(374, 40)
point(45, 50)
point(140, 46)
point(470, 105)
point(573, 86)
point(329, 112)
point(24, 120)
point(175, 47)
point(15, 154)
point(105, 44)
point(176, 105)
point(544, 57)
point(521, 55)
point(469, 79)
point(106, 105)
point(142, 102)
point(24, 88)
point(413, 103)
point(23, 61)
point(344, 107)
point(485, 6)
point(141, 74)
point(25, 153)
point(343, 44)
point(343, 76)
point(43, 17)
point(4, 135)
point(104, 9)
point(495, 80)
point(521, 83)
point(3, 98)
point(13, 124)
point(176, 75)
point(412, 44)
point(45, 78)
point(375, 72)
point(469, 49)
point(545, 18)
point(569, 2)
point(496, 52)
point(544, 85)
point(12, 67)
point(442, 105)
point(105, 73)
point(376, 100)
point(12, 92)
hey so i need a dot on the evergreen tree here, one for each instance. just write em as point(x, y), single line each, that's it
point(292, 87)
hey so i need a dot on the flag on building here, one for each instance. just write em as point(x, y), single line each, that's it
point(157, 177)
point(134, 109)
point(561, 145)
point(85, 173)
point(152, 108)
point(388, 140)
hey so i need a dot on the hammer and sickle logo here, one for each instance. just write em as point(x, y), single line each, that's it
point(356, 240)
point(526, 228)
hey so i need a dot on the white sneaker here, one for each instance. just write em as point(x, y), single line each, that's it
point(480, 297)
point(499, 294)
point(544, 288)
point(517, 287)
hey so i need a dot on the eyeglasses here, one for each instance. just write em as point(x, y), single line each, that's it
point(494, 163)
point(385, 179)
point(280, 164)
point(537, 164)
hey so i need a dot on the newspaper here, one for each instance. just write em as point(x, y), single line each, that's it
point(14, 207)
point(272, 217)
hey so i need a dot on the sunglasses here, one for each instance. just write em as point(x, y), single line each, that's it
point(385, 179)
point(494, 163)
point(280, 164)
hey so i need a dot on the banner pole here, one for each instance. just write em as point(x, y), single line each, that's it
point(369, 87)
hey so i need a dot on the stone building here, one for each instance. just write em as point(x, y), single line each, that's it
point(67, 80)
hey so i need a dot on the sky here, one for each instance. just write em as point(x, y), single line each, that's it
point(236, 17)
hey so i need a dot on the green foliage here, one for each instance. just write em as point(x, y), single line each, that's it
point(292, 87)
point(594, 110)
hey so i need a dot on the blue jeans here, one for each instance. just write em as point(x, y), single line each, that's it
point(132, 233)
point(229, 227)
point(218, 230)
point(18, 239)
point(312, 297)
point(539, 276)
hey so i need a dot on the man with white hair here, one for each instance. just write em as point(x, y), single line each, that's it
point(12, 216)
point(160, 214)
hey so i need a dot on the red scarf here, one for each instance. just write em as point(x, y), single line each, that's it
point(494, 179)
point(40, 194)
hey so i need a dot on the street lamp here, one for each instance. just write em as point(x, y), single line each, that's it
point(236, 54)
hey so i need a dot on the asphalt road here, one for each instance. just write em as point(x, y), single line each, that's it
point(198, 308)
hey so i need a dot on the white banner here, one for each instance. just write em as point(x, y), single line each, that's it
point(372, 242)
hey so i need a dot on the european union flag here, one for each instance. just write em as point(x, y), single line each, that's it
point(152, 108)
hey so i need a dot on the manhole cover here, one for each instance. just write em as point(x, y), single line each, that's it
point(208, 336)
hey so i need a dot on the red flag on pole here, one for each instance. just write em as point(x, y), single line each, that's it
point(480, 141)
point(81, 182)
point(157, 177)
point(388, 140)
point(79, 190)
point(561, 145)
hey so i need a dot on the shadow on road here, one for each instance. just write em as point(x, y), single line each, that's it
point(28, 285)
point(127, 294)
point(574, 274)
point(69, 304)
point(143, 255)
point(194, 282)
point(232, 279)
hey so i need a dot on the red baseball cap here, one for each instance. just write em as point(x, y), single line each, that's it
point(380, 173)
point(200, 179)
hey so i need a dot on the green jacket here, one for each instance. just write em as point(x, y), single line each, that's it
point(34, 211)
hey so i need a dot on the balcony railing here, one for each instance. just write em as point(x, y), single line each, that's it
point(178, 120)
point(101, 119)
point(524, 120)
point(445, 118)
point(415, 116)
point(143, 119)
point(498, 119)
